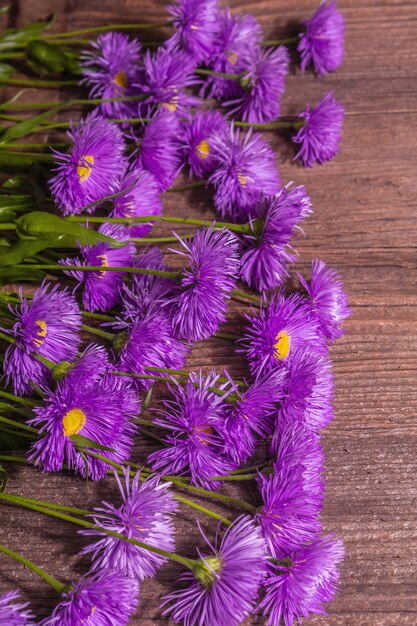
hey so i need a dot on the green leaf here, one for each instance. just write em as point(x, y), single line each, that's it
point(6, 215)
point(10, 275)
point(25, 250)
point(85, 442)
point(46, 57)
point(6, 70)
point(12, 36)
point(11, 162)
point(21, 129)
point(3, 479)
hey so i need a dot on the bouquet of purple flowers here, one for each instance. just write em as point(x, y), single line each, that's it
point(76, 220)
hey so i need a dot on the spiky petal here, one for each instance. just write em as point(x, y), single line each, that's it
point(321, 45)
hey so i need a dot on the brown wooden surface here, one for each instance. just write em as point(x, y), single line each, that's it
point(365, 224)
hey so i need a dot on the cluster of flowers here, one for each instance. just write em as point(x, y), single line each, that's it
point(276, 562)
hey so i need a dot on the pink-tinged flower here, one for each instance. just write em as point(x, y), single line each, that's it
point(266, 254)
point(13, 612)
point(145, 514)
point(197, 23)
point(299, 589)
point(321, 133)
point(194, 421)
point(223, 587)
point(92, 168)
point(210, 274)
point(197, 138)
point(321, 46)
point(111, 69)
point(102, 599)
point(102, 287)
point(142, 197)
point(328, 299)
point(246, 168)
point(50, 326)
point(278, 330)
point(261, 86)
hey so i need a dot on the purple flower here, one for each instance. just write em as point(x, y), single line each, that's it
point(322, 43)
point(101, 410)
point(102, 288)
point(238, 37)
point(88, 368)
point(194, 419)
point(142, 197)
point(103, 599)
point(279, 329)
point(49, 326)
point(207, 280)
point(224, 586)
point(197, 141)
point(328, 299)
point(246, 168)
point(299, 589)
point(266, 254)
point(159, 149)
point(13, 613)
point(321, 133)
point(261, 86)
point(145, 515)
point(92, 168)
point(196, 22)
point(111, 70)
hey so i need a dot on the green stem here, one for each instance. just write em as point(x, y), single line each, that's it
point(24, 401)
point(229, 76)
point(15, 106)
point(194, 185)
point(53, 505)
point(280, 42)
point(59, 587)
point(105, 29)
point(226, 336)
point(99, 268)
point(297, 122)
point(97, 316)
point(237, 294)
point(18, 425)
point(37, 83)
point(157, 239)
point(36, 146)
point(7, 338)
point(98, 332)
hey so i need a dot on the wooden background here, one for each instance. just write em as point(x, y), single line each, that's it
point(365, 224)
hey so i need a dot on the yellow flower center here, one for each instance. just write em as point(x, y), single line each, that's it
point(172, 104)
point(282, 345)
point(41, 332)
point(203, 149)
point(73, 421)
point(85, 167)
point(103, 263)
point(232, 58)
point(121, 80)
point(242, 179)
point(194, 27)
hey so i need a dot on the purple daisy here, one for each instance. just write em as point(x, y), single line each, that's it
point(278, 330)
point(322, 131)
point(223, 587)
point(194, 419)
point(145, 515)
point(159, 149)
point(111, 70)
point(50, 326)
point(102, 288)
point(92, 364)
point(142, 197)
point(92, 168)
point(246, 168)
point(197, 141)
point(207, 280)
point(13, 612)
point(196, 22)
point(103, 599)
point(322, 43)
point(101, 410)
point(328, 299)
point(262, 86)
point(265, 258)
point(299, 589)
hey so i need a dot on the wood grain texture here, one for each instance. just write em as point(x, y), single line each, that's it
point(365, 224)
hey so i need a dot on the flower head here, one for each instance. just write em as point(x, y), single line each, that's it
point(88, 368)
point(145, 515)
point(92, 168)
point(142, 197)
point(299, 589)
point(266, 257)
point(207, 280)
point(194, 419)
point(223, 588)
point(102, 411)
point(328, 299)
point(103, 599)
point(196, 22)
point(246, 168)
point(111, 70)
point(102, 287)
point(14, 613)
point(322, 43)
point(50, 326)
point(321, 133)
point(278, 330)
point(197, 141)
